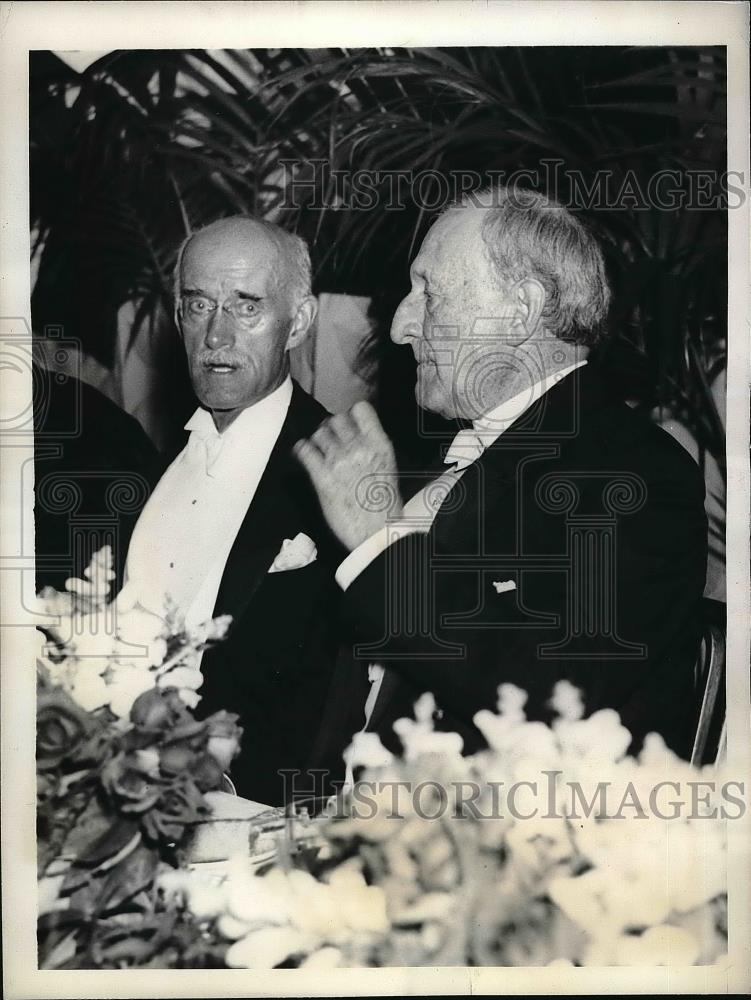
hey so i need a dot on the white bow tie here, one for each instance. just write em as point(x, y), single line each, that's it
point(211, 445)
point(465, 449)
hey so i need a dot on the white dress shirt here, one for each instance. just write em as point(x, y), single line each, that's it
point(186, 530)
point(419, 512)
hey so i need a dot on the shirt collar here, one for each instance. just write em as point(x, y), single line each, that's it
point(260, 422)
point(202, 422)
point(470, 443)
point(492, 424)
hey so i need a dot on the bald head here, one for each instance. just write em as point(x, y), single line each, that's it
point(253, 239)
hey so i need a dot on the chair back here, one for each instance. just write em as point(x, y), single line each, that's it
point(709, 678)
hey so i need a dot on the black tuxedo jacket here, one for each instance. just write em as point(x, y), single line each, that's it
point(93, 464)
point(596, 516)
point(274, 667)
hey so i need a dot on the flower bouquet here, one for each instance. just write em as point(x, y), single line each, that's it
point(123, 770)
point(550, 846)
point(438, 859)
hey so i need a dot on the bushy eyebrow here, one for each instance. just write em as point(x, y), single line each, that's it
point(248, 296)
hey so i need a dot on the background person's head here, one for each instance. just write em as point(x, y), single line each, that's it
point(242, 302)
point(507, 288)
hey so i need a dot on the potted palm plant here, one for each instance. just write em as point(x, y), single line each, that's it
point(141, 147)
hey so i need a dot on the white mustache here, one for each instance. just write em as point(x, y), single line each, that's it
point(218, 359)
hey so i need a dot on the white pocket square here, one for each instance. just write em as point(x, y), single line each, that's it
point(501, 586)
point(294, 554)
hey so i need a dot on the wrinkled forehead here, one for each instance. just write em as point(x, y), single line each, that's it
point(453, 245)
point(233, 254)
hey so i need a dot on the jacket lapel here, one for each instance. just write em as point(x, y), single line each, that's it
point(551, 422)
point(547, 427)
point(268, 521)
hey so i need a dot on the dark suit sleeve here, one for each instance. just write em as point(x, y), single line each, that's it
point(402, 611)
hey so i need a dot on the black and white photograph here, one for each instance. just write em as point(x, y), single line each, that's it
point(375, 534)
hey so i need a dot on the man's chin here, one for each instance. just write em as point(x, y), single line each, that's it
point(222, 393)
point(218, 401)
point(430, 397)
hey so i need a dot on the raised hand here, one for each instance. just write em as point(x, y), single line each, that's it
point(351, 464)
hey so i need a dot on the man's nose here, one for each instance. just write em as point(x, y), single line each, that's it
point(220, 331)
point(407, 322)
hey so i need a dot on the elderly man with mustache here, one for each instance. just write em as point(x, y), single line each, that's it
point(233, 526)
point(565, 537)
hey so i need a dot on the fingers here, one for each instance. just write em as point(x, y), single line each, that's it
point(325, 438)
point(334, 433)
point(338, 437)
point(344, 427)
point(366, 419)
point(310, 457)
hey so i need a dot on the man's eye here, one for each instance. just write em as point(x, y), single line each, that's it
point(199, 306)
point(245, 308)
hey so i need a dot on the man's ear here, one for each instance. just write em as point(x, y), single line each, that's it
point(302, 321)
point(529, 302)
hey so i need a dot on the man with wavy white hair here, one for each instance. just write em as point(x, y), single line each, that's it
point(233, 526)
point(566, 536)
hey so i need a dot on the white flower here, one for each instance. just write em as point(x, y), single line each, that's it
point(189, 697)
point(260, 900)
point(696, 863)
point(580, 899)
point(181, 677)
point(92, 639)
point(601, 735)
point(209, 631)
point(221, 748)
point(206, 901)
point(540, 843)
point(52, 603)
point(515, 739)
point(316, 910)
point(567, 701)
point(141, 637)
point(268, 947)
point(362, 907)
point(94, 590)
point(140, 626)
point(511, 702)
point(89, 690)
point(366, 750)
point(663, 945)
point(148, 761)
point(430, 906)
point(636, 901)
point(324, 958)
point(60, 670)
point(126, 685)
point(424, 709)
point(419, 742)
point(232, 928)
point(176, 881)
